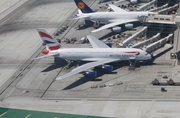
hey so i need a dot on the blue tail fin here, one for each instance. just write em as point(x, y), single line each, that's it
point(83, 7)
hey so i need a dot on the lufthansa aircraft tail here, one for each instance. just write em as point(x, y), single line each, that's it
point(51, 43)
point(83, 7)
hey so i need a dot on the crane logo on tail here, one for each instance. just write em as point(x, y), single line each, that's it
point(81, 5)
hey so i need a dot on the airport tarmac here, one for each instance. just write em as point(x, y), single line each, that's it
point(18, 33)
point(29, 84)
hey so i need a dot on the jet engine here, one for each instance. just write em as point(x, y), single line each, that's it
point(133, 1)
point(107, 68)
point(116, 29)
point(90, 74)
point(129, 26)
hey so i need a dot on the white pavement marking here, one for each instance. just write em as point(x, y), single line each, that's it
point(117, 109)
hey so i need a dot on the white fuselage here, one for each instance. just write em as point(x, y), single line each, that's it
point(86, 54)
point(110, 16)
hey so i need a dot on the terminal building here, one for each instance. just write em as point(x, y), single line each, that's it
point(166, 22)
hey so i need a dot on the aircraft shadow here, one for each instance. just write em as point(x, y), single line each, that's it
point(72, 64)
point(80, 82)
point(107, 35)
point(84, 79)
point(58, 62)
point(87, 24)
point(161, 53)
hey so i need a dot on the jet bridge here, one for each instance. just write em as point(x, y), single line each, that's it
point(146, 6)
point(129, 40)
point(166, 10)
point(159, 8)
point(156, 45)
point(147, 42)
point(170, 2)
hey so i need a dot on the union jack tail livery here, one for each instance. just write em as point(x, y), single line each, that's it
point(51, 43)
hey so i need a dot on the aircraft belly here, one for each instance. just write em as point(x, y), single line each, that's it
point(78, 57)
point(87, 18)
point(101, 19)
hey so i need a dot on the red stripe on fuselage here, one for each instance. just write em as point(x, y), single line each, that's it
point(54, 47)
point(42, 34)
point(133, 52)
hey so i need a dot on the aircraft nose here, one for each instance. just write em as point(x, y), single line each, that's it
point(149, 56)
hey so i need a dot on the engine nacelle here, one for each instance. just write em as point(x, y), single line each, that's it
point(133, 1)
point(107, 68)
point(129, 26)
point(90, 74)
point(116, 29)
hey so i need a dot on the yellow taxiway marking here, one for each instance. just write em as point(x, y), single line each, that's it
point(3, 114)
point(28, 116)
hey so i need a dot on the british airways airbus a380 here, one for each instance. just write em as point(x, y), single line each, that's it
point(100, 54)
point(118, 17)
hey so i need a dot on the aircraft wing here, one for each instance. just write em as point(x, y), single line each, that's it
point(86, 66)
point(115, 23)
point(116, 9)
point(118, 1)
point(96, 43)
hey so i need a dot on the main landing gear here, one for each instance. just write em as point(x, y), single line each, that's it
point(132, 62)
point(96, 25)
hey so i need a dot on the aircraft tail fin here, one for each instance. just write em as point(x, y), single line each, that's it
point(83, 7)
point(79, 12)
point(51, 43)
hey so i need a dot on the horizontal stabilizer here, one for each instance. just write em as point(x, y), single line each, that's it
point(45, 56)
